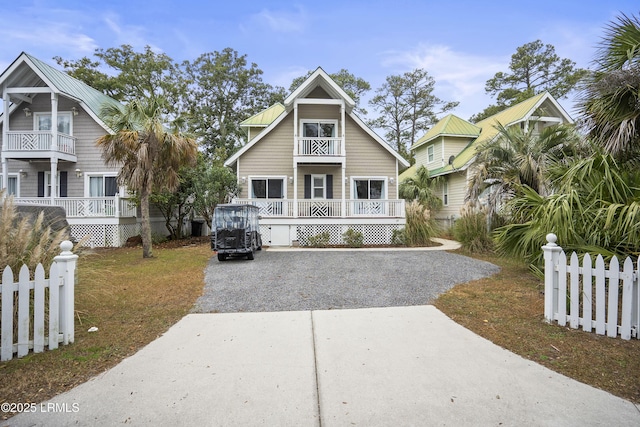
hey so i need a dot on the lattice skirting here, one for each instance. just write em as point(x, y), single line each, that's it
point(109, 235)
point(374, 234)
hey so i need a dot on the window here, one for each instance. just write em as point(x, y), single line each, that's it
point(319, 129)
point(12, 188)
point(445, 193)
point(430, 154)
point(318, 187)
point(267, 188)
point(43, 122)
point(103, 186)
point(369, 189)
point(47, 185)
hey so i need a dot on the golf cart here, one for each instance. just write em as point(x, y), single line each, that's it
point(236, 231)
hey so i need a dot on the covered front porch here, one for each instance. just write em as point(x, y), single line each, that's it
point(327, 208)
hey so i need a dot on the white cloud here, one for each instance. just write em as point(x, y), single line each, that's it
point(280, 21)
point(128, 34)
point(44, 35)
point(459, 76)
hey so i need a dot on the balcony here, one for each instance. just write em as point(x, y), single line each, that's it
point(87, 207)
point(325, 208)
point(38, 144)
point(319, 150)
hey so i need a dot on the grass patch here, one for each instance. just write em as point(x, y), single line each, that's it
point(508, 309)
point(130, 300)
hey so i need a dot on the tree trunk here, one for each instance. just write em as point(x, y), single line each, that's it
point(145, 226)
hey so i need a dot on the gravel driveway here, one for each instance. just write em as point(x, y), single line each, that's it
point(322, 280)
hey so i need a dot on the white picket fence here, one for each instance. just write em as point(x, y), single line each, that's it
point(603, 300)
point(34, 332)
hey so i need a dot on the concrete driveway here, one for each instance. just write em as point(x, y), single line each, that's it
point(305, 365)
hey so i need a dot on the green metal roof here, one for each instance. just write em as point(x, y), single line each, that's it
point(265, 117)
point(64, 83)
point(408, 173)
point(506, 118)
point(450, 125)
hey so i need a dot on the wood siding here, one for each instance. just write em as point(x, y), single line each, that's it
point(366, 157)
point(457, 183)
point(273, 155)
point(84, 129)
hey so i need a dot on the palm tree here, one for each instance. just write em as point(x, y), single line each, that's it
point(610, 99)
point(149, 155)
point(595, 209)
point(515, 158)
point(421, 187)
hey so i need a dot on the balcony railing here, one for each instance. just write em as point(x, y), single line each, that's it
point(320, 146)
point(327, 208)
point(38, 141)
point(87, 207)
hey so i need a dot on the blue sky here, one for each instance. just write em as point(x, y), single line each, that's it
point(461, 44)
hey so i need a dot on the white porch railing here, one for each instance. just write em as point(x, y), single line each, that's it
point(320, 146)
point(39, 141)
point(43, 318)
point(328, 208)
point(86, 207)
point(590, 297)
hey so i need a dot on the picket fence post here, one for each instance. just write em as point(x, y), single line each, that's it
point(551, 253)
point(66, 263)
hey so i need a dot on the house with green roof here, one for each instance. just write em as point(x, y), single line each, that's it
point(49, 125)
point(314, 168)
point(448, 149)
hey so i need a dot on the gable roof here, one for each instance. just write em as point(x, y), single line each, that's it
point(450, 125)
point(514, 114)
point(44, 75)
point(265, 117)
point(318, 78)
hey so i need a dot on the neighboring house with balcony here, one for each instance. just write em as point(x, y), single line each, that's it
point(49, 127)
point(448, 149)
point(313, 166)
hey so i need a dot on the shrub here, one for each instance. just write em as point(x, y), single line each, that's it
point(320, 240)
point(353, 239)
point(471, 229)
point(421, 227)
point(398, 238)
point(24, 240)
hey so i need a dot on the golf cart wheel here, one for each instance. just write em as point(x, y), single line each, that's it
point(250, 255)
point(222, 257)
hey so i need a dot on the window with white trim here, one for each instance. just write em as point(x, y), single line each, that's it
point(319, 128)
point(12, 187)
point(369, 188)
point(318, 186)
point(103, 185)
point(42, 121)
point(267, 188)
point(430, 156)
point(47, 184)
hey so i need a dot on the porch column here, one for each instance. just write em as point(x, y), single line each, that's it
point(5, 140)
point(54, 180)
point(343, 149)
point(295, 192)
point(343, 212)
point(54, 124)
point(5, 174)
point(295, 129)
